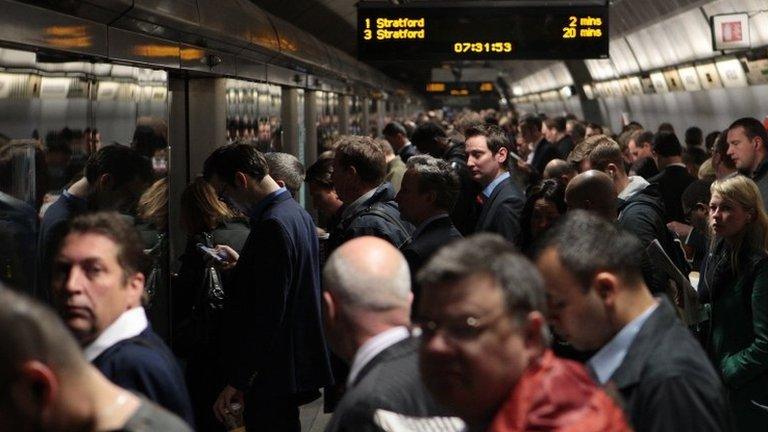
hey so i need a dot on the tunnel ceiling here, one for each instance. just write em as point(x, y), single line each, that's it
point(333, 22)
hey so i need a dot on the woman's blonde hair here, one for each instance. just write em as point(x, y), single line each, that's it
point(153, 204)
point(742, 191)
point(201, 208)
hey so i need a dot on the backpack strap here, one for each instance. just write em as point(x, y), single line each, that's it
point(376, 210)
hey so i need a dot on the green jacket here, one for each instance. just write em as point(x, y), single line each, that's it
point(738, 338)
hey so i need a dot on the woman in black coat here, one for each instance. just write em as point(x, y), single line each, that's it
point(199, 291)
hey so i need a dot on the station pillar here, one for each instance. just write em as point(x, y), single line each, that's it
point(289, 119)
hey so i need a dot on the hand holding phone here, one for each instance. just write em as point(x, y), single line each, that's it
point(219, 256)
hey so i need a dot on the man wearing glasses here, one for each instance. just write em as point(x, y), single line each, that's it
point(484, 352)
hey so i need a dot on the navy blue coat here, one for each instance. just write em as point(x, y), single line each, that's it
point(145, 364)
point(501, 212)
point(275, 344)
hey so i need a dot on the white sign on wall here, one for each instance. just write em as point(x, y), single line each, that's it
point(730, 31)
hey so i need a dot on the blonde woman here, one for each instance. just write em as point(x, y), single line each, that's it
point(736, 285)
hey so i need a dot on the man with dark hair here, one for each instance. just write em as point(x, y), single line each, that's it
point(367, 302)
point(593, 129)
point(369, 207)
point(275, 353)
point(641, 151)
point(397, 136)
point(641, 209)
point(747, 146)
point(542, 150)
point(428, 193)
point(674, 176)
point(694, 233)
point(431, 139)
point(694, 137)
point(98, 285)
point(485, 346)
point(576, 130)
point(115, 177)
point(722, 163)
point(286, 170)
point(322, 191)
point(487, 150)
point(49, 386)
point(598, 301)
point(579, 157)
point(555, 134)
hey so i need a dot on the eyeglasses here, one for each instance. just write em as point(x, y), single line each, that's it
point(465, 330)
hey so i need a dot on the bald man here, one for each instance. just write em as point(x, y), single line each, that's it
point(592, 191)
point(560, 170)
point(367, 302)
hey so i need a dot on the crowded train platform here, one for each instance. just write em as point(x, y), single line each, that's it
point(384, 216)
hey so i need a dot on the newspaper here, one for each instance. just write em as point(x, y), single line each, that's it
point(685, 296)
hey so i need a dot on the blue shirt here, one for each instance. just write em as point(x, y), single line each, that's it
point(258, 209)
point(610, 357)
point(492, 185)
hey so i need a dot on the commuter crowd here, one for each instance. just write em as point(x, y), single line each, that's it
point(465, 272)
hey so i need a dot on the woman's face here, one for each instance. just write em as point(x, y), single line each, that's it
point(544, 215)
point(726, 217)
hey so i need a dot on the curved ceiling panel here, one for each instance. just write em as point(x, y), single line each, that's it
point(554, 76)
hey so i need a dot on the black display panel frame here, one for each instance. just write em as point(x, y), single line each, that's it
point(445, 31)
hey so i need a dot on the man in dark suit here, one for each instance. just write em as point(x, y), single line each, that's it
point(543, 150)
point(275, 351)
point(598, 301)
point(367, 305)
point(97, 285)
point(427, 194)
point(673, 177)
point(397, 137)
point(487, 150)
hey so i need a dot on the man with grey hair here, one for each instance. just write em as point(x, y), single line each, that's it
point(484, 352)
point(427, 194)
point(48, 385)
point(286, 170)
point(367, 303)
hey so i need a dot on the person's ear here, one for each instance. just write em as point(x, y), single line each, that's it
point(105, 182)
point(36, 388)
point(241, 180)
point(533, 331)
point(135, 287)
point(606, 286)
point(329, 304)
point(280, 183)
point(501, 155)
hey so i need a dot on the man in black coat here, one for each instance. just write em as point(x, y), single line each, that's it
point(431, 139)
point(543, 150)
point(674, 176)
point(427, 193)
point(367, 304)
point(599, 302)
point(97, 285)
point(397, 137)
point(275, 352)
point(369, 208)
point(487, 150)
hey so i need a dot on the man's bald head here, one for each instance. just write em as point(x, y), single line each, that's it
point(368, 273)
point(594, 191)
point(560, 170)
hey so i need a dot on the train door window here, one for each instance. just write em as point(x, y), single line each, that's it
point(355, 116)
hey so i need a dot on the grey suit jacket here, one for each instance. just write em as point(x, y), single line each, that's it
point(388, 392)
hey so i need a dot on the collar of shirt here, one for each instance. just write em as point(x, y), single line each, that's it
point(636, 184)
point(352, 208)
point(424, 224)
point(677, 164)
point(407, 143)
point(74, 198)
point(372, 347)
point(492, 186)
point(260, 206)
point(605, 362)
point(130, 324)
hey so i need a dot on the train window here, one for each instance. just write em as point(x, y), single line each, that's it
point(355, 126)
point(253, 114)
point(327, 119)
point(55, 112)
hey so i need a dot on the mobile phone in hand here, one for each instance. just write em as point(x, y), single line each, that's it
point(213, 253)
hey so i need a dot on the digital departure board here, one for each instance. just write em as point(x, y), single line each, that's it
point(481, 31)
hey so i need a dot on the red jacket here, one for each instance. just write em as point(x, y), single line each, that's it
point(558, 395)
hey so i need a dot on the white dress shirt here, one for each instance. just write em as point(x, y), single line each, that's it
point(605, 362)
point(130, 324)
